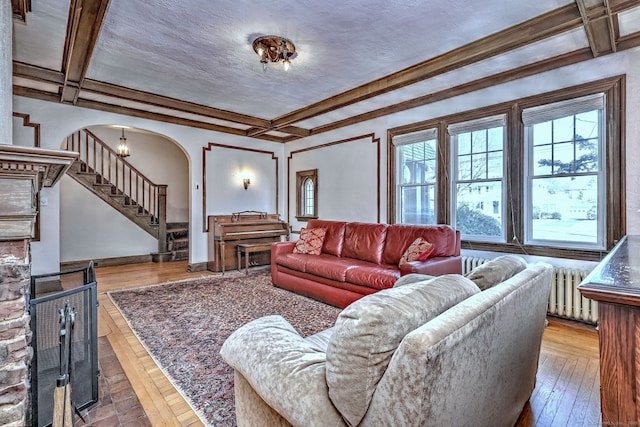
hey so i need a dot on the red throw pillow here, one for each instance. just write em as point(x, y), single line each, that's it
point(419, 250)
point(310, 241)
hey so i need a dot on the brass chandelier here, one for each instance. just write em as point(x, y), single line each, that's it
point(274, 49)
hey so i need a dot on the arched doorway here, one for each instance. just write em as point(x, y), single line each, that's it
point(110, 208)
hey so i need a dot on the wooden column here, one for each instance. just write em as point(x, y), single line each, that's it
point(162, 255)
point(615, 284)
point(6, 67)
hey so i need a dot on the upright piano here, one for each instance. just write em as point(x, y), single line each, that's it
point(226, 232)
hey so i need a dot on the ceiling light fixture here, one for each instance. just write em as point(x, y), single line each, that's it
point(123, 148)
point(274, 49)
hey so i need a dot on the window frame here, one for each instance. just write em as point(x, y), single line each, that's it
point(410, 138)
point(514, 157)
point(471, 126)
point(530, 177)
point(303, 177)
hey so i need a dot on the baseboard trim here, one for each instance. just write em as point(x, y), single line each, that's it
point(106, 262)
point(196, 266)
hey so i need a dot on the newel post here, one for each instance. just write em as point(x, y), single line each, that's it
point(162, 255)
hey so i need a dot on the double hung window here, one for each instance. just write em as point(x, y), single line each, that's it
point(416, 160)
point(564, 185)
point(541, 175)
point(478, 184)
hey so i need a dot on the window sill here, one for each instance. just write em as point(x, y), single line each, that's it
point(547, 251)
point(305, 218)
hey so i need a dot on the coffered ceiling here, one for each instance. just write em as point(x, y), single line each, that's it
point(191, 61)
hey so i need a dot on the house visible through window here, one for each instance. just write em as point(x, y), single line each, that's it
point(478, 164)
point(565, 175)
point(307, 194)
point(533, 176)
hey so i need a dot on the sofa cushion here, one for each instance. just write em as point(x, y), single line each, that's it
point(310, 241)
point(329, 266)
point(373, 276)
point(496, 271)
point(364, 241)
point(400, 236)
point(368, 331)
point(335, 235)
point(419, 250)
point(293, 261)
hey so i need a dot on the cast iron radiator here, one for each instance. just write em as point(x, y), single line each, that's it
point(564, 300)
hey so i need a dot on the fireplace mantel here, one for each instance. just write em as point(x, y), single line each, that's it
point(23, 172)
point(50, 165)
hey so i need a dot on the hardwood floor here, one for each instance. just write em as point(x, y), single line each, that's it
point(163, 404)
point(566, 394)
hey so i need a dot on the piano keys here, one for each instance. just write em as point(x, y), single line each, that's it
point(226, 232)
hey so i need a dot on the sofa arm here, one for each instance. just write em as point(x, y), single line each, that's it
point(433, 266)
point(277, 249)
point(284, 370)
point(282, 248)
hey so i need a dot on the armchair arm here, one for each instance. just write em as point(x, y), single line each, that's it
point(284, 370)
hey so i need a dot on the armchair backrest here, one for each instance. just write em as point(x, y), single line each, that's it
point(476, 361)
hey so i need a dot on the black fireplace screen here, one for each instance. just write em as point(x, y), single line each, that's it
point(48, 295)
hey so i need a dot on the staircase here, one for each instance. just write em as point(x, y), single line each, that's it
point(100, 170)
point(178, 240)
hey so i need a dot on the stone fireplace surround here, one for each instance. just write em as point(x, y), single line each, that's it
point(23, 172)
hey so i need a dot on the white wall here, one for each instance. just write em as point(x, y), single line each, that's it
point(347, 179)
point(225, 170)
point(59, 120)
point(627, 62)
point(92, 229)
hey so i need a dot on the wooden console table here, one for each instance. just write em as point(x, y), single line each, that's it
point(615, 284)
point(250, 248)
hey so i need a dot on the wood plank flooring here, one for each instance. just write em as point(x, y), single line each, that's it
point(566, 394)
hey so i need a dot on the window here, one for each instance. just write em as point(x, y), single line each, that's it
point(478, 176)
point(416, 177)
point(564, 186)
point(307, 194)
point(542, 175)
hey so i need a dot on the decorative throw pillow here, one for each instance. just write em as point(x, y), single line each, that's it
point(419, 250)
point(310, 241)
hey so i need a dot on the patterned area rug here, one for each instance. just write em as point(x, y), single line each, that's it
point(183, 325)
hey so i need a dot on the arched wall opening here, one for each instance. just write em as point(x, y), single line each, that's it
point(91, 229)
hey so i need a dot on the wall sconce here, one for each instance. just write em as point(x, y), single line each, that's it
point(246, 183)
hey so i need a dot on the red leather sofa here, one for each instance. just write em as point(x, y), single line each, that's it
point(358, 259)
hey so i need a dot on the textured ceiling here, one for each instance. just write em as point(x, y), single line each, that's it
point(200, 51)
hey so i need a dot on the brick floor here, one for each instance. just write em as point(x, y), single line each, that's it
point(117, 404)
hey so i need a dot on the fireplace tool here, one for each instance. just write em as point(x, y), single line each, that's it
point(62, 406)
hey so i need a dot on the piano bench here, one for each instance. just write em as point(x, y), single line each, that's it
point(247, 249)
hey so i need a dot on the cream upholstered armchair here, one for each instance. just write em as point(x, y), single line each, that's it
point(432, 352)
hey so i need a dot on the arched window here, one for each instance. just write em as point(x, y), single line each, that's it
point(308, 197)
point(307, 194)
